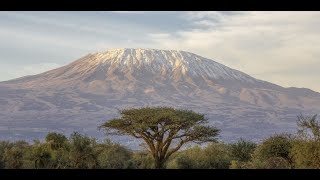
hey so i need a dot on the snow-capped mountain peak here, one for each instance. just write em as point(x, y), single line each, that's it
point(171, 60)
point(90, 90)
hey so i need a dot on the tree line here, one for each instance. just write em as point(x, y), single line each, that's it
point(172, 139)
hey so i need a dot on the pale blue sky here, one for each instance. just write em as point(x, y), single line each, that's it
point(280, 47)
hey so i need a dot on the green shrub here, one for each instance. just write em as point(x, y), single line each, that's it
point(242, 150)
point(214, 156)
point(273, 150)
point(306, 154)
point(114, 156)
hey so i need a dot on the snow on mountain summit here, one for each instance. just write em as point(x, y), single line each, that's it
point(85, 93)
point(127, 65)
point(171, 60)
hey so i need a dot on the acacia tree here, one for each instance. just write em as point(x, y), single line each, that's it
point(306, 147)
point(309, 127)
point(164, 130)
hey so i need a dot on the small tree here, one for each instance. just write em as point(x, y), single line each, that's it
point(309, 127)
point(306, 147)
point(160, 128)
point(14, 153)
point(82, 153)
point(217, 156)
point(274, 148)
point(41, 155)
point(56, 140)
point(3, 146)
point(242, 150)
point(113, 156)
point(213, 156)
point(13, 158)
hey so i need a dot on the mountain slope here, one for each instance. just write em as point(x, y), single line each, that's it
point(88, 91)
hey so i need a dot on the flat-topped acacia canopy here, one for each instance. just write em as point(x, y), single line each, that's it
point(161, 128)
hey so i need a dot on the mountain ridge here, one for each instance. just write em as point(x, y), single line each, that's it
point(139, 57)
point(86, 92)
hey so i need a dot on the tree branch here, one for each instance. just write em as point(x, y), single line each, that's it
point(182, 142)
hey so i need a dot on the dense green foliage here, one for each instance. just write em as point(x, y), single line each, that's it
point(113, 156)
point(273, 153)
point(80, 151)
point(306, 147)
point(213, 156)
point(163, 129)
point(306, 154)
point(242, 150)
point(59, 152)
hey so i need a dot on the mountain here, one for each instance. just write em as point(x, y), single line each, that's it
point(85, 93)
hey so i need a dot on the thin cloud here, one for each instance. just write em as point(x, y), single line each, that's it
point(127, 12)
point(273, 46)
point(257, 43)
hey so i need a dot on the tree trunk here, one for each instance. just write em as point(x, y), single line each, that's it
point(159, 164)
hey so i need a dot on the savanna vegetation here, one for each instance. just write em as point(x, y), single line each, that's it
point(172, 139)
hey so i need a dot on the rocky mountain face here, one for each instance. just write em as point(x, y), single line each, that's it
point(85, 93)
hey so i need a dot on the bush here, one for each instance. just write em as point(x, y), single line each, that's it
point(218, 156)
point(277, 163)
point(113, 156)
point(306, 147)
point(306, 154)
point(13, 158)
point(56, 140)
point(3, 146)
point(214, 156)
point(142, 160)
point(82, 154)
point(13, 154)
point(40, 156)
point(242, 150)
point(273, 150)
point(191, 158)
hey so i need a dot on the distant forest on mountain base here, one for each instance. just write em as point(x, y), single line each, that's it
point(166, 133)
